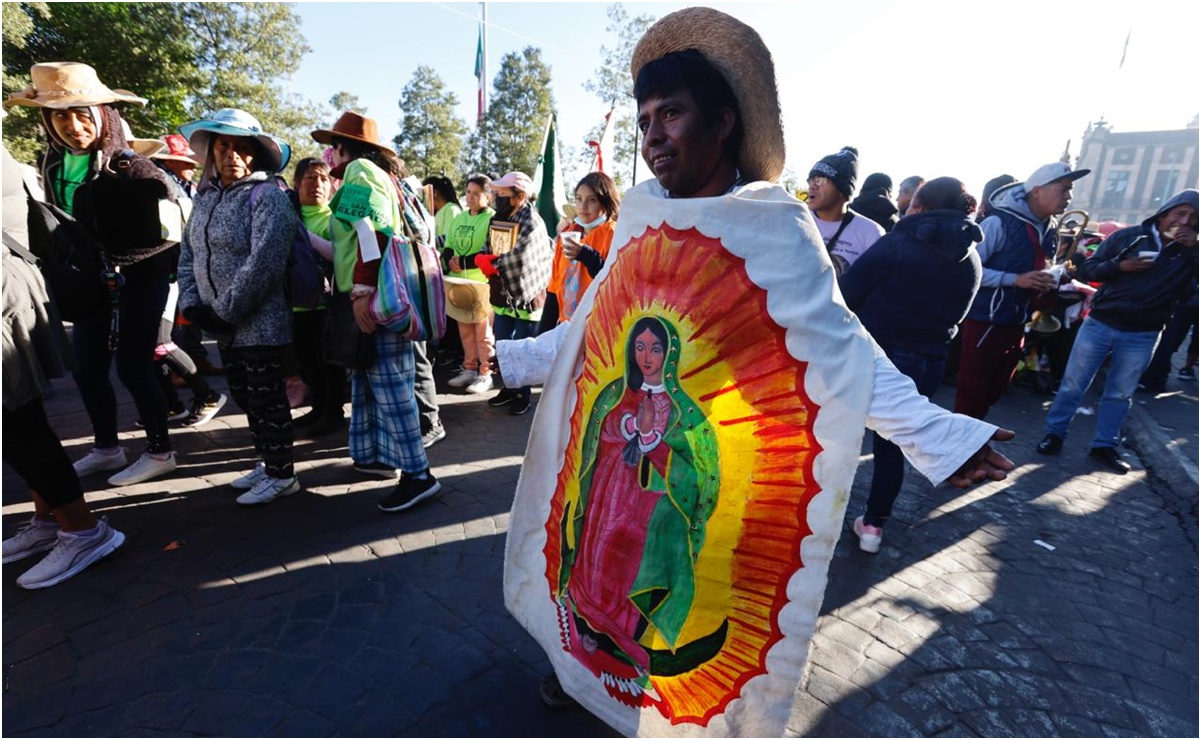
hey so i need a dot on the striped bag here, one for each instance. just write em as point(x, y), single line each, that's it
point(410, 298)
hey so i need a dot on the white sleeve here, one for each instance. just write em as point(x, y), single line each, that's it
point(933, 440)
point(528, 361)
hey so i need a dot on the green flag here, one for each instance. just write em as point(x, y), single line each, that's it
point(548, 180)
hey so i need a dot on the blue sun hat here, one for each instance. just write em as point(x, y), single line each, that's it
point(236, 122)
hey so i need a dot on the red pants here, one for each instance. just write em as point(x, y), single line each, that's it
point(990, 355)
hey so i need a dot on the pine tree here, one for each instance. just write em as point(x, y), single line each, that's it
point(431, 135)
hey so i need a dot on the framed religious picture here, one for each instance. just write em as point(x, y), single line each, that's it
point(502, 236)
point(427, 197)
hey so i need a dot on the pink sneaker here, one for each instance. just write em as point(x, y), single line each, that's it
point(869, 536)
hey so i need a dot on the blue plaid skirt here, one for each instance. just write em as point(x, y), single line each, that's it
point(384, 425)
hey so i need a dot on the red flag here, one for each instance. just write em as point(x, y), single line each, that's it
point(604, 147)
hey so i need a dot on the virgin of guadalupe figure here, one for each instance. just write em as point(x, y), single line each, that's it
point(649, 484)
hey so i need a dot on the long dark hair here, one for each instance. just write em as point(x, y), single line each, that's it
point(633, 372)
point(385, 159)
point(606, 192)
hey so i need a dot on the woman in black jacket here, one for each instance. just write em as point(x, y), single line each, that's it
point(90, 171)
point(911, 290)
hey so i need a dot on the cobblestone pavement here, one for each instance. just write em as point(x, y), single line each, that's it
point(319, 615)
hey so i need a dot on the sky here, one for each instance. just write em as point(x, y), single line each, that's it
point(967, 89)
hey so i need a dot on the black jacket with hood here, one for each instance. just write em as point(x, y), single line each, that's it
point(119, 202)
point(915, 284)
point(1141, 301)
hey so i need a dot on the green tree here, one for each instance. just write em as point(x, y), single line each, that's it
point(344, 101)
point(518, 109)
point(142, 47)
point(187, 59)
point(245, 53)
point(431, 135)
point(611, 83)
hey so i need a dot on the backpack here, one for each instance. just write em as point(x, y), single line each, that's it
point(305, 283)
point(77, 270)
point(410, 297)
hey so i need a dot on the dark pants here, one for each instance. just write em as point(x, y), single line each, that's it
point(142, 303)
point(986, 364)
point(1183, 321)
point(35, 452)
point(424, 389)
point(257, 384)
point(888, 463)
point(326, 382)
point(509, 327)
point(174, 359)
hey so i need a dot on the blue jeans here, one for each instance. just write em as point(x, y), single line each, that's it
point(1130, 353)
point(510, 327)
point(888, 463)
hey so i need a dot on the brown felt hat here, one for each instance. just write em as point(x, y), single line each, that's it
point(63, 85)
point(737, 51)
point(353, 126)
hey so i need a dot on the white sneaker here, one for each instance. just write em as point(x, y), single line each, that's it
point(251, 479)
point(268, 489)
point(146, 468)
point(35, 537)
point(99, 460)
point(463, 379)
point(482, 384)
point(869, 536)
point(70, 555)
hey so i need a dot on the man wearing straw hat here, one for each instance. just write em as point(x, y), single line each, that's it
point(683, 488)
point(90, 172)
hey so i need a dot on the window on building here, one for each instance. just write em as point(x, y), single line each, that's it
point(1165, 188)
point(1115, 189)
point(1123, 155)
point(1173, 154)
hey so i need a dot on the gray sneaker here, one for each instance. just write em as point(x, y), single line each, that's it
point(71, 554)
point(35, 537)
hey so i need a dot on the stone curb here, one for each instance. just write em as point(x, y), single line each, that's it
point(1166, 464)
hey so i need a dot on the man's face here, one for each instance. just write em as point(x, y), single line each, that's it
point(183, 170)
point(680, 148)
point(1179, 225)
point(75, 126)
point(905, 200)
point(1050, 199)
point(824, 194)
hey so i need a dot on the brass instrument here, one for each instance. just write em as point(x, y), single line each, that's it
point(1067, 235)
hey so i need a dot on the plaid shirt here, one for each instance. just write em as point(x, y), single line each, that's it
point(525, 271)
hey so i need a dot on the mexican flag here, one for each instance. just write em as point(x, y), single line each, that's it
point(548, 179)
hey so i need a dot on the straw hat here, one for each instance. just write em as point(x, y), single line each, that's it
point(737, 51)
point(352, 126)
point(145, 147)
point(235, 122)
point(67, 85)
point(176, 148)
point(466, 300)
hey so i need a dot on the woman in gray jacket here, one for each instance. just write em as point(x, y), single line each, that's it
point(231, 282)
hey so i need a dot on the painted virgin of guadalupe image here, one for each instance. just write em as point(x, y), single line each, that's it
point(648, 485)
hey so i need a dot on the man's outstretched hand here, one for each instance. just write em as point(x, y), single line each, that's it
point(986, 464)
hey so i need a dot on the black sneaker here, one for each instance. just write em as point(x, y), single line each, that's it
point(1110, 458)
point(1051, 445)
point(504, 398)
point(380, 469)
point(520, 405)
point(409, 492)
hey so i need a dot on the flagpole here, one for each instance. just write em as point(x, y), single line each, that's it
point(484, 65)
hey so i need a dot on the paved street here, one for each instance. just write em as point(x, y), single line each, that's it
point(1060, 602)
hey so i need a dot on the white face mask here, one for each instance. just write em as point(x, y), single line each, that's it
point(590, 225)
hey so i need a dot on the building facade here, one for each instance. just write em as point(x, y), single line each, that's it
point(1134, 173)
